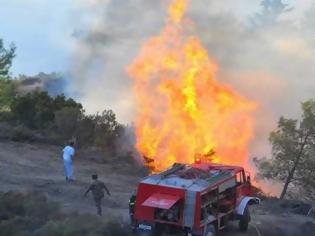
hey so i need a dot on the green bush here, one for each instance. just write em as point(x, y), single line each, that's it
point(57, 119)
point(101, 129)
point(61, 101)
point(33, 109)
point(37, 109)
point(62, 119)
point(6, 115)
point(7, 93)
point(6, 57)
point(107, 130)
point(22, 133)
point(32, 215)
point(21, 214)
point(67, 121)
point(85, 132)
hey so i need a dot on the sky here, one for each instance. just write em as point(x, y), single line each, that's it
point(43, 29)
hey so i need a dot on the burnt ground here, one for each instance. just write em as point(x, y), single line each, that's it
point(38, 167)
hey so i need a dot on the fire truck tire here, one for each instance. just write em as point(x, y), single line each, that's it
point(210, 231)
point(244, 221)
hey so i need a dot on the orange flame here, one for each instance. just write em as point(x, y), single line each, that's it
point(183, 112)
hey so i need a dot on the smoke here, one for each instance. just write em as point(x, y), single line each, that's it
point(265, 51)
point(54, 83)
point(106, 46)
point(268, 58)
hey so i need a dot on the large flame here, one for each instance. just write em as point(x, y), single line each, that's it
point(183, 111)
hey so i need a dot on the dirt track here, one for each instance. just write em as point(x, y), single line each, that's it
point(25, 167)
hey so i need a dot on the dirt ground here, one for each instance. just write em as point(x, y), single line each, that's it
point(39, 167)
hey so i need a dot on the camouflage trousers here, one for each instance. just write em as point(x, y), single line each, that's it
point(98, 204)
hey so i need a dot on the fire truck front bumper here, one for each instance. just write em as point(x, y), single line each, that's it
point(145, 228)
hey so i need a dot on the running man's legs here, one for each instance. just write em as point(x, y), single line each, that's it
point(98, 204)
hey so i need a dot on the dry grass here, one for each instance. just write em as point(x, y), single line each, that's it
point(31, 214)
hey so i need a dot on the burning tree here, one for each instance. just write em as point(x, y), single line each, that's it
point(183, 109)
point(293, 152)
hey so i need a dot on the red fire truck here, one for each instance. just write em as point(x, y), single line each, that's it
point(193, 200)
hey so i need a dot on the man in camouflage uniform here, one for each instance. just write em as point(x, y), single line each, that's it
point(97, 188)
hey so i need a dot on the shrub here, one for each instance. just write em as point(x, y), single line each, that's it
point(51, 228)
point(7, 93)
point(6, 115)
point(37, 109)
point(22, 133)
point(66, 121)
point(32, 215)
point(101, 129)
point(33, 109)
point(86, 131)
point(115, 228)
point(61, 101)
point(107, 130)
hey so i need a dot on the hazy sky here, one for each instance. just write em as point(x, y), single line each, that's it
point(42, 29)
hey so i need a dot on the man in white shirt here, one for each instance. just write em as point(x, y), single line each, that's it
point(68, 153)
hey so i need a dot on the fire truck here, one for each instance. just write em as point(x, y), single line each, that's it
point(193, 200)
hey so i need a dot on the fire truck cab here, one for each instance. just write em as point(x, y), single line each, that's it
point(193, 200)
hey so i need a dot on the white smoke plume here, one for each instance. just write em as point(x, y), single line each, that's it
point(264, 49)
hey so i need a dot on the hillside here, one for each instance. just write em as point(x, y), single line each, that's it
point(38, 167)
point(30, 167)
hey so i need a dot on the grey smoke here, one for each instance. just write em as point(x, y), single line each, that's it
point(54, 83)
point(263, 52)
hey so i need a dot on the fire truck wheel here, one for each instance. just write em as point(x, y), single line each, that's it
point(210, 230)
point(243, 223)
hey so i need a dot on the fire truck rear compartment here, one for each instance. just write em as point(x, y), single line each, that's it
point(189, 198)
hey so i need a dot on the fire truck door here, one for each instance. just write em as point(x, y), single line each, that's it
point(162, 201)
point(240, 182)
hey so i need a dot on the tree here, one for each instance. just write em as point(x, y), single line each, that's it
point(101, 129)
point(34, 109)
point(106, 129)
point(6, 57)
point(7, 90)
point(37, 109)
point(61, 101)
point(67, 121)
point(7, 93)
point(272, 10)
point(293, 149)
